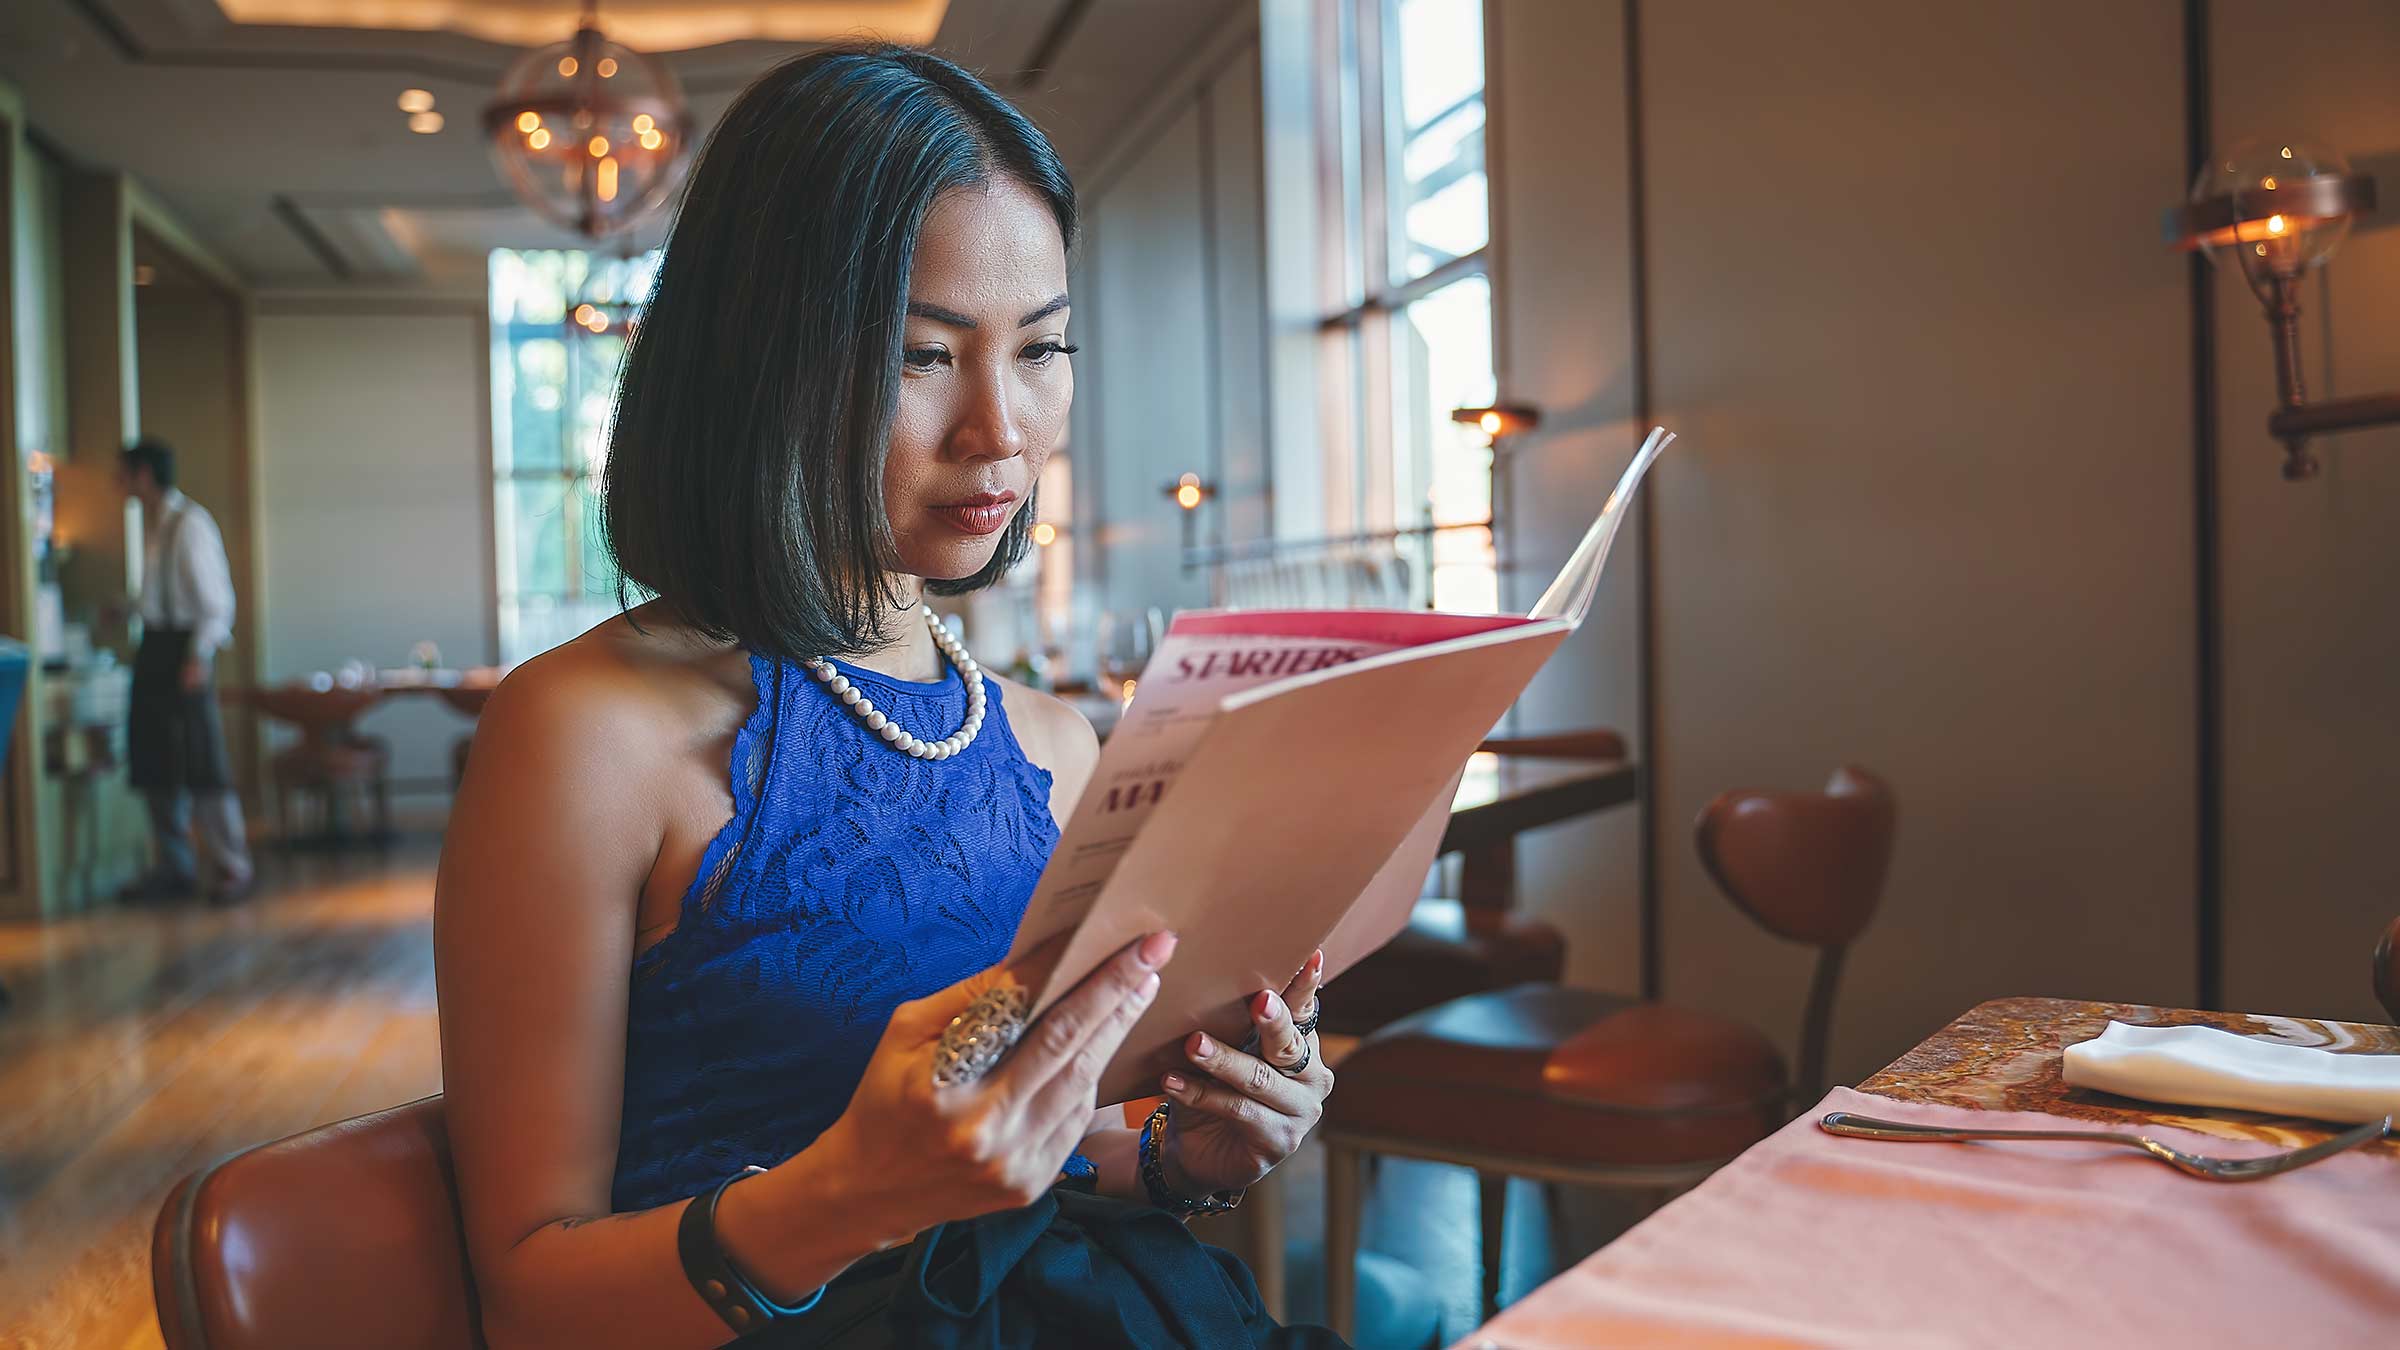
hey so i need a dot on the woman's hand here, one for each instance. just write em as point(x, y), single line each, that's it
point(1243, 1113)
point(914, 1154)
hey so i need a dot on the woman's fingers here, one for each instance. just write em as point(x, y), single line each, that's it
point(1084, 1028)
point(1072, 1090)
point(1280, 1043)
point(1252, 1077)
point(1301, 994)
point(1267, 1130)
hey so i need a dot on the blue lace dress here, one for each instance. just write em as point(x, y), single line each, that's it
point(850, 879)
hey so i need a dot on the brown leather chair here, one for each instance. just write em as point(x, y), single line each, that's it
point(345, 1235)
point(1471, 945)
point(2387, 970)
point(1571, 1085)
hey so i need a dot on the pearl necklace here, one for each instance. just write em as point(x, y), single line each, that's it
point(838, 685)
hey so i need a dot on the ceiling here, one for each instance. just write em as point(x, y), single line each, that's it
point(282, 147)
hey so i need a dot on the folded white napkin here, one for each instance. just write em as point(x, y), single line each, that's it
point(2202, 1066)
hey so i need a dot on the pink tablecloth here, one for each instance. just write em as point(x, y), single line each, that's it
point(1813, 1240)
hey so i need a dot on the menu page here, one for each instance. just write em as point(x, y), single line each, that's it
point(1205, 658)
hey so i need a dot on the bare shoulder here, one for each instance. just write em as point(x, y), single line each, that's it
point(620, 697)
point(1054, 735)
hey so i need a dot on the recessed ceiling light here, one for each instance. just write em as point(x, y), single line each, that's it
point(425, 123)
point(415, 101)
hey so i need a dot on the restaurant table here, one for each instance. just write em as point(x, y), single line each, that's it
point(1502, 796)
point(1813, 1240)
point(328, 716)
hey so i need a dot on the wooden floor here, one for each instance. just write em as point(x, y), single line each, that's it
point(143, 1044)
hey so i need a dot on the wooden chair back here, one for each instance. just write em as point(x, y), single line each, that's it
point(1810, 867)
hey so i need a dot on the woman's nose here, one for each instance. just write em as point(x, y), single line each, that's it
point(994, 428)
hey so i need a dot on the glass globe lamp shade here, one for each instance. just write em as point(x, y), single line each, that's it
point(590, 133)
point(2275, 206)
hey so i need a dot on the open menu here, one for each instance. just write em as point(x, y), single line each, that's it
point(1279, 783)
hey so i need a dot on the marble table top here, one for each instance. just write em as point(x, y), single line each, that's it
point(2005, 1055)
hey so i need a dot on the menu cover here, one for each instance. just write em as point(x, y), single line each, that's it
point(1280, 782)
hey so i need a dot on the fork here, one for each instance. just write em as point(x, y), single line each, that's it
point(2215, 1169)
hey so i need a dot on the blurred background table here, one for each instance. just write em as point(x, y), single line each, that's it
point(334, 764)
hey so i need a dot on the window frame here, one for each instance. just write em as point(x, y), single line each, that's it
point(578, 476)
point(1361, 302)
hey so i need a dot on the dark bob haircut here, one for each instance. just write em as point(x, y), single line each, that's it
point(745, 466)
point(153, 454)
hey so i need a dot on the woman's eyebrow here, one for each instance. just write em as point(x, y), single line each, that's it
point(926, 309)
point(1052, 306)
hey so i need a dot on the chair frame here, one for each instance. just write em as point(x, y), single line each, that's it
point(1348, 1152)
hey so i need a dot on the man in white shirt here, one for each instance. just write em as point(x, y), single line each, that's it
point(176, 744)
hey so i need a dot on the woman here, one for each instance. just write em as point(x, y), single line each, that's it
point(699, 913)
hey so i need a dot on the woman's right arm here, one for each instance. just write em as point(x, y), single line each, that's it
point(553, 835)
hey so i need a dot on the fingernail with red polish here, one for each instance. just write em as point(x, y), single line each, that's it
point(1172, 1082)
point(1202, 1046)
point(1156, 948)
point(1270, 1006)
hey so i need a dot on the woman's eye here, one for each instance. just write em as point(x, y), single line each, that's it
point(1041, 353)
point(924, 358)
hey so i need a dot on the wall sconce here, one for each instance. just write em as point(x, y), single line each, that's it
point(2279, 208)
point(1498, 420)
point(1187, 492)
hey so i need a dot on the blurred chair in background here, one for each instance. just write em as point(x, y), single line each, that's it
point(332, 760)
point(1477, 942)
point(1577, 1086)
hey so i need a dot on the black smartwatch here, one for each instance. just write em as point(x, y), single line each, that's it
point(728, 1293)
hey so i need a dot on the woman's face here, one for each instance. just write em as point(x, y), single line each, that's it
point(985, 379)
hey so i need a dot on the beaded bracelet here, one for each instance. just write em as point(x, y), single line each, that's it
point(1154, 1175)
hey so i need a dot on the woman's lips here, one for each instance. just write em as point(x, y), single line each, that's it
point(982, 514)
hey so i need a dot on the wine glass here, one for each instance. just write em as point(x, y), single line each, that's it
point(1127, 638)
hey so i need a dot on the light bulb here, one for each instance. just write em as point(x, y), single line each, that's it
point(2278, 206)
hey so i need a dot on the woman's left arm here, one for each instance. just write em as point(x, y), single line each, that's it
point(1240, 1112)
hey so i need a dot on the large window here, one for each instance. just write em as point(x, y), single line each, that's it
point(1408, 327)
point(559, 321)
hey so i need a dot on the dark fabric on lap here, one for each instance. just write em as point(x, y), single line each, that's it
point(1082, 1270)
point(173, 737)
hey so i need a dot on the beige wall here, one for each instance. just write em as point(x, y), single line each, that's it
point(2311, 570)
point(1563, 267)
point(374, 453)
point(1169, 305)
point(1934, 506)
point(1931, 512)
